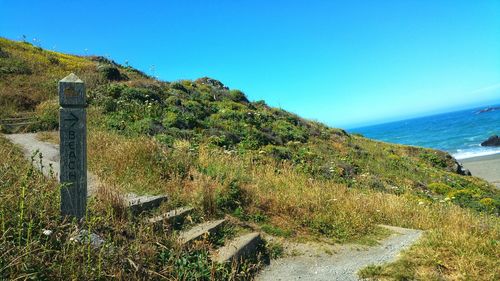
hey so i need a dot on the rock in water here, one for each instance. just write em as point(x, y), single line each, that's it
point(489, 109)
point(491, 141)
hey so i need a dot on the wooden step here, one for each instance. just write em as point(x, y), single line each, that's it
point(199, 231)
point(15, 119)
point(16, 127)
point(241, 247)
point(18, 124)
point(173, 218)
point(138, 204)
point(23, 114)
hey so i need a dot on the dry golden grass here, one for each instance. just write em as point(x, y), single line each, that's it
point(23, 91)
point(51, 137)
point(46, 68)
point(458, 244)
point(128, 163)
point(29, 207)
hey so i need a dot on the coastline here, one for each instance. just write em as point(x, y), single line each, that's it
point(486, 167)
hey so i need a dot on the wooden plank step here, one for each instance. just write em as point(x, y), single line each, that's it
point(173, 218)
point(138, 204)
point(18, 124)
point(13, 119)
point(197, 232)
point(23, 114)
point(241, 247)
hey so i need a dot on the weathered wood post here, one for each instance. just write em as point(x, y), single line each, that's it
point(73, 146)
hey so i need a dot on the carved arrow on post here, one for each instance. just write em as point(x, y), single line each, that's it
point(73, 118)
point(73, 147)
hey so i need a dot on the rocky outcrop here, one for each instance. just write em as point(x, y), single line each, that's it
point(491, 141)
point(488, 109)
point(459, 169)
point(212, 82)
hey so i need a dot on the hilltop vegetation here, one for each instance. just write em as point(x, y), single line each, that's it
point(205, 113)
point(209, 146)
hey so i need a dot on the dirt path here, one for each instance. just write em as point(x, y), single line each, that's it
point(342, 262)
point(50, 152)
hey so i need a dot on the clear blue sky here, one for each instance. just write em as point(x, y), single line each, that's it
point(345, 63)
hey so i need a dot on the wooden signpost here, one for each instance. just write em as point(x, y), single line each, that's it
point(73, 146)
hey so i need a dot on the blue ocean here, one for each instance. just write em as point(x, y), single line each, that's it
point(460, 133)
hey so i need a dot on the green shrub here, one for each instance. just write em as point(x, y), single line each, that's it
point(322, 225)
point(111, 73)
point(179, 120)
point(376, 183)
point(140, 94)
point(193, 265)
point(230, 198)
point(179, 86)
point(109, 104)
point(288, 132)
point(114, 90)
point(434, 159)
point(347, 170)
point(370, 271)
point(276, 231)
point(3, 54)
point(142, 126)
point(237, 96)
point(53, 60)
point(466, 198)
point(260, 103)
point(275, 250)
point(106, 96)
point(278, 152)
point(165, 139)
point(490, 204)
point(13, 66)
point(439, 188)
point(249, 143)
point(47, 114)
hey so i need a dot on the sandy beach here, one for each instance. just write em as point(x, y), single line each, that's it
point(486, 167)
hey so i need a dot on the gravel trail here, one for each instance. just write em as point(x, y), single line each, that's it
point(50, 152)
point(314, 263)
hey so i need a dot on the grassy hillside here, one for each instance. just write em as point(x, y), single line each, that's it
point(209, 146)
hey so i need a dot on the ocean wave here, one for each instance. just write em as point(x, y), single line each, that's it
point(470, 153)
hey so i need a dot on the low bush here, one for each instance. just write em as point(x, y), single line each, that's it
point(276, 231)
point(3, 54)
point(47, 114)
point(237, 96)
point(434, 159)
point(278, 152)
point(231, 198)
point(111, 73)
point(439, 188)
point(14, 66)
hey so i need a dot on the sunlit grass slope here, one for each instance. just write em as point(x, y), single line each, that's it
point(209, 146)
